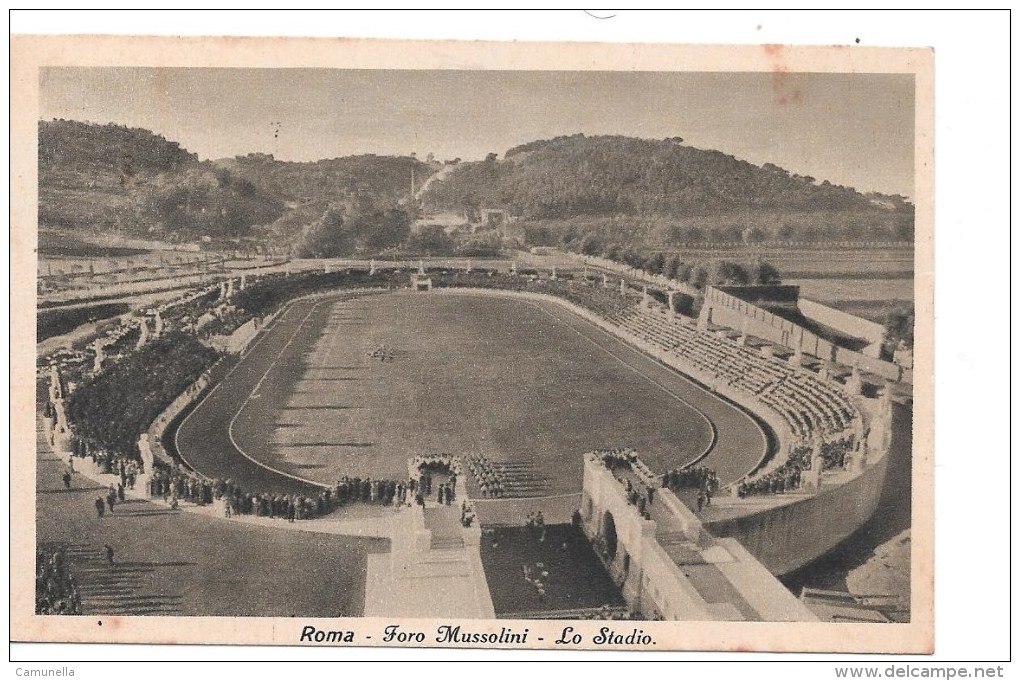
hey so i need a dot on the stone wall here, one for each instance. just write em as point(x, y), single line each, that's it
point(653, 583)
point(727, 310)
point(788, 537)
point(846, 323)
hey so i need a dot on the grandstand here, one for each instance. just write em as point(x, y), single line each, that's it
point(586, 349)
point(808, 405)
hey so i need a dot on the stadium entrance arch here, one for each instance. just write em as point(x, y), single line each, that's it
point(609, 534)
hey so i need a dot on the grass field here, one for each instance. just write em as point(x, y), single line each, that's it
point(575, 576)
point(507, 378)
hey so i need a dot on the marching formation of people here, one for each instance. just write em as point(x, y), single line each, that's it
point(488, 476)
point(607, 612)
point(537, 577)
point(56, 592)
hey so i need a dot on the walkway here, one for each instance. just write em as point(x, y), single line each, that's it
point(189, 563)
point(434, 570)
point(698, 560)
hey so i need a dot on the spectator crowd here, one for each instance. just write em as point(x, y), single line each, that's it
point(56, 592)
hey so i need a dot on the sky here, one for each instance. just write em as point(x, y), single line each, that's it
point(850, 129)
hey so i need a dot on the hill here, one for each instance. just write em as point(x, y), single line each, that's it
point(89, 174)
point(659, 184)
point(111, 178)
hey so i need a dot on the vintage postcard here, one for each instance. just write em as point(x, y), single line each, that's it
point(498, 345)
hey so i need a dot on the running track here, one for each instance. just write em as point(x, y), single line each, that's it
point(205, 442)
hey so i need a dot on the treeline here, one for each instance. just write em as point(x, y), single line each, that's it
point(131, 180)
point(384, 179)
point(702, 273)
point(611, 176)
point(88, 147)
point(353, 227)
point(743, 228)
point(714, 272)
point(207, 201)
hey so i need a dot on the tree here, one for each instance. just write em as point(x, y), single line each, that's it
point(222, 177)
point(725, 272)
point(655, 263)
point(698, 277)
point(491, 157)
point(431, 239)
point(753, 235)
point(899, 327)
point(590, 244)
point(693, 235)
point(670, 267)
point(762, 273)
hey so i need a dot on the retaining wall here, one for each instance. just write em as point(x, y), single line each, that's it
point(790, 536)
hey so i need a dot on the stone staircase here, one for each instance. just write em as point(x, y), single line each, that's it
point(444, 524)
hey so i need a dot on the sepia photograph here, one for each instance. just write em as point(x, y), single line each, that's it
point(475, 345)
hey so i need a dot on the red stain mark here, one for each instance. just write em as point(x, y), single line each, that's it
point(785, 92)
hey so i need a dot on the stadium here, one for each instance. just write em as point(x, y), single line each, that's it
point(418, 430)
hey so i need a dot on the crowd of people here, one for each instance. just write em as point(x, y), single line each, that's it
point(785, 478)
point(835, 454)
point(111, 409)
point(179, 485)
point(467, 514)
point(693, 477)
point(56, 592)
point(618, 457)
point(641, 499)
point(429, 471)
point(122, 465)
